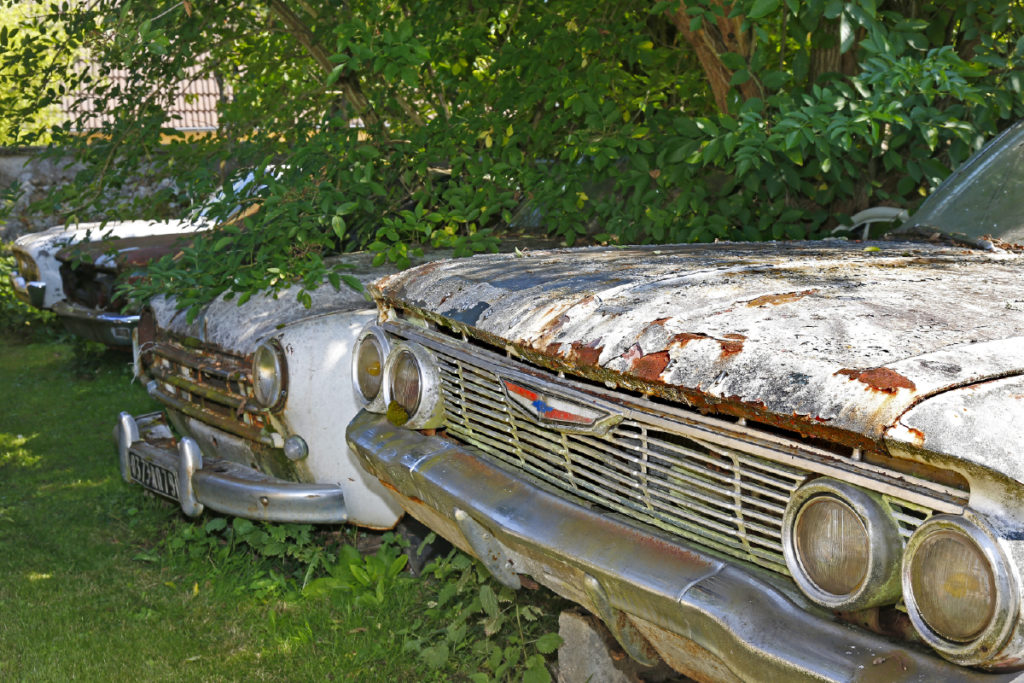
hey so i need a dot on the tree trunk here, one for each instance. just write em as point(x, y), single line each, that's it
point(711, 40)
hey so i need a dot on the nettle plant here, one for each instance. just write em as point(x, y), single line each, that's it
point(457, 124)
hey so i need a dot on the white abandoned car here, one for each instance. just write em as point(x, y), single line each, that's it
point(258, 397)
point(41, 256)
point(777, 461)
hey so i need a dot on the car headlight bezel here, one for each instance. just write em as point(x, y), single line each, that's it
point(989, 639)
point(269, 375)
point(879, 580)
point(428, 412)
point(373, 335)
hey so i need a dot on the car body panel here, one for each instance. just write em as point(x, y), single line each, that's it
point(829, 336)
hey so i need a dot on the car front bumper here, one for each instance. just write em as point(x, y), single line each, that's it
point(704, 616)
point(112, 329)
point(179, 470)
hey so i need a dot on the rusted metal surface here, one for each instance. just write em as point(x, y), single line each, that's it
point(680, 592)
point(823, 338)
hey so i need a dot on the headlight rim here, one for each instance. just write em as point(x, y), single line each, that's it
point(994, 636)
point(430, 411)
point(281, 372)
point(379, 403)
point(881, 584)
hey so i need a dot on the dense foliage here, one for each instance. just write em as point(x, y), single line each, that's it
point(396, 124)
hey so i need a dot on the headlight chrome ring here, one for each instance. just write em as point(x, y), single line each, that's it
point(412, 387)
point(842, 546)
point(269, 375)
point(369, 356)
point(959, 589)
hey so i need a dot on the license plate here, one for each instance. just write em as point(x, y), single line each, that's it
point(154, 477)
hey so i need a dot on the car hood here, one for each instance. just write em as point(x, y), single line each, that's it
point(48, 242)
point(225, 324)
point(814, 336)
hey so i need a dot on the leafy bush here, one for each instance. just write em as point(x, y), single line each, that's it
point(455, 123)
point(16, 317)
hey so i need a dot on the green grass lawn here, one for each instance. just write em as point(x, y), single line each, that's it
point(100, 581)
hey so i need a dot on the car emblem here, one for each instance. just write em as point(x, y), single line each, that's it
point(561, 413)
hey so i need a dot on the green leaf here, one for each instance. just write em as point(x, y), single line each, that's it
point(436, 656)
point(488, 600)
point(548, 643)
point(762, 8)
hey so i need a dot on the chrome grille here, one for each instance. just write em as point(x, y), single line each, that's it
point(646, 468)
point(215, 388)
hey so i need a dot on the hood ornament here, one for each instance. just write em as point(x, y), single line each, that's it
point(560, 413)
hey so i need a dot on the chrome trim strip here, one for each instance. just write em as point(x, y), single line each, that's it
point(748, 623)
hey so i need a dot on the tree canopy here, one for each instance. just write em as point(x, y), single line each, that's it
point(394, 124)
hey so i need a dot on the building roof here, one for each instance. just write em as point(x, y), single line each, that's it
point(191, 107)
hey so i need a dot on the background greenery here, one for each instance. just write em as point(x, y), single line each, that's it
point(626, 121)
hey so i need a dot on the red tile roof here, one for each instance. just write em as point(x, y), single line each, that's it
point(192, 107)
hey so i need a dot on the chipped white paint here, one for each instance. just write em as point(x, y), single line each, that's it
point(793, 329)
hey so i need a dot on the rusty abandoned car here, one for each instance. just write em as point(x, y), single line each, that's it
point(775, 461)
point(71, 269)
point(256, 401)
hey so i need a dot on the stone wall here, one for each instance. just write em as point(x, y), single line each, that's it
point(25, 178)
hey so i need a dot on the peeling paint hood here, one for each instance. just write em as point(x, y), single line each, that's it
point(836, 334)
point(240, 328)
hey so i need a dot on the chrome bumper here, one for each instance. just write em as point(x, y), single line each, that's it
point(107, 328)
point(31, 292)
point(150, 457)
point(653, 592)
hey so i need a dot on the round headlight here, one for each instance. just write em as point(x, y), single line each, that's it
point(841, 546)
point(406, 381)
point(832, 544)
point(371, 351)
point(413, 387)
point(958, 589)
point(268, 374)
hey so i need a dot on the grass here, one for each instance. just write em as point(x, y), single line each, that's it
point(101, 581)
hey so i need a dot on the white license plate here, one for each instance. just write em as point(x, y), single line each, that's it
point(154, 477)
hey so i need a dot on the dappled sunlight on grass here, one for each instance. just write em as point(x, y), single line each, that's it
point(13, 451)
point(36, 576)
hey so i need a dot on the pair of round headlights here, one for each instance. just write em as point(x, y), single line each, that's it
point(400, 379)
point(845, 552)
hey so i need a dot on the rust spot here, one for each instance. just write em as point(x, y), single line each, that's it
point(651, 366)
point(587, 353)
point(733, 335)
point(552, 349)
point(685, 338)
point(917, 435)
point(880, 379)
point(776, 299)
point(660, 321)
point(730, 347)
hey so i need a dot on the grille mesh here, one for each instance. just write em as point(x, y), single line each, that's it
point(717, 496)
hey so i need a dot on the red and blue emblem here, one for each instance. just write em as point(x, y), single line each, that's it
point(552, 408)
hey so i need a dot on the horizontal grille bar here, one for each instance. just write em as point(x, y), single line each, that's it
point(215, 388)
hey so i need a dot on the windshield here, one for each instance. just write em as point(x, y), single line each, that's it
point(982, 198)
